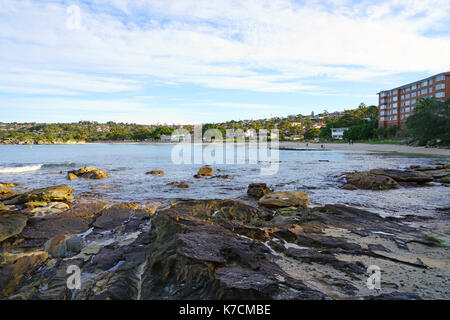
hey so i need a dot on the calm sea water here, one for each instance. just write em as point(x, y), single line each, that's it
point(312, 171)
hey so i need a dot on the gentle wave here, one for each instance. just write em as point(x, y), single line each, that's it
point(56, 165)
point(20, 169)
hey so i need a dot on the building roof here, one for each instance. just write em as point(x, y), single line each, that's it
point(411, 83)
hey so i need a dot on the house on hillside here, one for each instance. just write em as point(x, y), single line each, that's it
point(338, 133)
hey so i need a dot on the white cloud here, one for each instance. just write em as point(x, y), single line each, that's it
point(61, 83)
point(218, 44)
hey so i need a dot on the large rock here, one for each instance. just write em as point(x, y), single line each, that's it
point(115, 215)
point(63, 246)
point(403, 175)
point(205, 171)
point(89, 173)
point(225, 249)
point(284, 199)
point(11, 225)
point(52, 208)
point(365, 180)
point(75, 220)
point(20, 265)
point(49, 194)
point(258, 190)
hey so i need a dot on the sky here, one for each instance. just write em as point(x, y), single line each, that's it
point(199, 61)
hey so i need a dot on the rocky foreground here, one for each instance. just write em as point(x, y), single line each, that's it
point(273, 247)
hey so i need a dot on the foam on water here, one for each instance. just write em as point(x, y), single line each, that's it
point(21, 169)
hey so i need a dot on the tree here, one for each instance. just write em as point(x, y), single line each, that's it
point(430, 121)
point(312, 133)
point(160, 130)
point(325, 133)
point(142, 134)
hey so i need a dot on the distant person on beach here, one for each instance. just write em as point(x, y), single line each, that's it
point(321, 146)
point(307, 144)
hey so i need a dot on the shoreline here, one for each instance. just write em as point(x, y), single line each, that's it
point(366, 147)
point(356, 147)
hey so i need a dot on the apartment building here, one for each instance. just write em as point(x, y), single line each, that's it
point(397, 104)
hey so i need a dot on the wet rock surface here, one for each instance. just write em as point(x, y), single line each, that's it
point(384, 179)
point(87, 173)
point(258, 190)
point(284, 199)
point(205, 171)
point(222, 249)
point(54, 193)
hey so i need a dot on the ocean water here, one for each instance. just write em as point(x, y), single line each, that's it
point(314, 171)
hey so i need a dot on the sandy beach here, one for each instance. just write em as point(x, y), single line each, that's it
point(364, 147)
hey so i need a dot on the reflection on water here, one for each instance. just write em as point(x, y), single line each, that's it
point(312, 171)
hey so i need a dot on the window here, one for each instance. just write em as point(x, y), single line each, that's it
point(440, 95)
point(394, 105)
point(424, 91)
point(394, 118)
point(424, 83)
point(413, 101)
point(403, 97)
point(414, 87)
point(395, 98)
point(430, 89)
point(395, 111)
point(408, 89)
point(402, 116)
point(407, 109)
point(407, 103)
point(407, 96)
point(440, 86)
point(440, 77)
point(413, 94)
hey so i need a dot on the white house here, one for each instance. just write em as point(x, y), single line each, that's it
point(338, 133)
point(174, 138)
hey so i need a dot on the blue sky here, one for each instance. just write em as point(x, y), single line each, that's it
point(197, 61)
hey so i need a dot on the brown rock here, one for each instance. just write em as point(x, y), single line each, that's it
point(71, 176)
point(205, 171)
point(11, 225)
point(258, 190)
point(366, 180)
point(55, 193)
point(21, 265)
point(50, 209)
point(156, 172)
point(34, 204)
point(4, 189)
point(90, 173)
point(403, 175)
point(183, 185)
point(348, 186)
point(284, 199)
